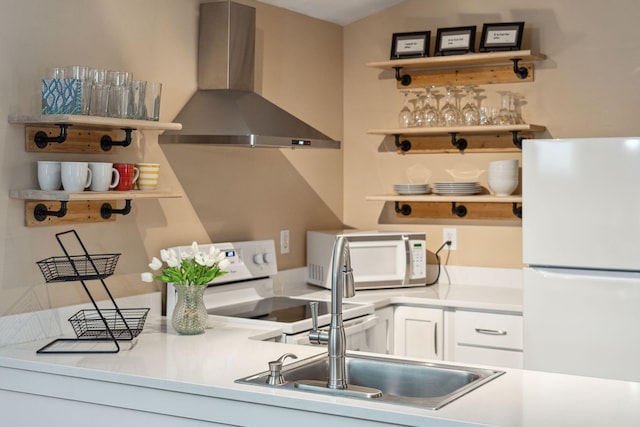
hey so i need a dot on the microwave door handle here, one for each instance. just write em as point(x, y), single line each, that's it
point(407, 260)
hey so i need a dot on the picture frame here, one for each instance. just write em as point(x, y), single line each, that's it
point(410, 45)
point(455, 40)
point(501, 36)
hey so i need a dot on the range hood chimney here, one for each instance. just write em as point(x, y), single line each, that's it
point(225, 110)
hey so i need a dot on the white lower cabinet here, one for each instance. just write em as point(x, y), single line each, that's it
point(380, 337)
point(486, 338)
point(418, 332)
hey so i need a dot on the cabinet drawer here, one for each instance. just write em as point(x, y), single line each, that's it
point(488, 329)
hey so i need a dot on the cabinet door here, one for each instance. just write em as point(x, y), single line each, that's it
point(418, 332)
point(380, 337)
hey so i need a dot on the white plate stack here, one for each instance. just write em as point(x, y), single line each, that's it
point(503, 177)
point(411, 189)
point(457, 188)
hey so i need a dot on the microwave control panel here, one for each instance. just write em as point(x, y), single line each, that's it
point(418, 250)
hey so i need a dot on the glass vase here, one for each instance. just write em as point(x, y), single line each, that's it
point(190, 314)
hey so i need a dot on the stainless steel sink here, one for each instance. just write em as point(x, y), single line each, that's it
point(403, 382)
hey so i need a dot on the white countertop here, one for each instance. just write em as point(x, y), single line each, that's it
point(472, 288)
point(205, 366)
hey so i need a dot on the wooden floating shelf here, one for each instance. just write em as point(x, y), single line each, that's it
point(92, 121)
point(44, 208)
point(470, 59)
point(465, 130)
point(92, 195)
point(467, 69)
point(482, 198)
point(480, 207)
point(491, 138)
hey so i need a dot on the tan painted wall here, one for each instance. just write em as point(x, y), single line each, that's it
point(157, 40)
point(588, 86)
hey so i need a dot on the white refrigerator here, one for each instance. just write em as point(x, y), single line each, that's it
point(581, 247)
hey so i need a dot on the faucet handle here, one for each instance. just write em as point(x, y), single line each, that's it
point(275, 370)
point(316, 336)
point(313, 305)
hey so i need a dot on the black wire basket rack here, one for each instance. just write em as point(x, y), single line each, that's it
point(78, 267)
point(98, 330)
point(90, 323)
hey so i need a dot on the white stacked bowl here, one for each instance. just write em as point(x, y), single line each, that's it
point(503, 177)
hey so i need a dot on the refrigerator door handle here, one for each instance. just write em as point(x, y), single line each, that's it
point(491, 331)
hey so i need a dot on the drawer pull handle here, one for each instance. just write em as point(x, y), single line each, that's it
point(491, 331)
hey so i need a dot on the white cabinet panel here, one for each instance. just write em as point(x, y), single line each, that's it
point(494, 339)
point(489, 329)
point(418, 332)
point(488, 356)
point(380, 337)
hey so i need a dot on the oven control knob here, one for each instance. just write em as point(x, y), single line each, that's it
point(258, 259)
point(268, 257)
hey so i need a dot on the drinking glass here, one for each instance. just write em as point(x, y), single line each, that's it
point(430, 113)
point(451, 115)
point(504, 116)
point(417, 119)
point(404, 118)
point(469, 111)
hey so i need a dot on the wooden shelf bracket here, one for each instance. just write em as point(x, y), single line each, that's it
point(517, 210)
point(404, 79)
point(106, 143)
point(458, 210)
point(459, 143)
point(42, 140)
point(517, 140)
point(107, 210)
point(404, 145)
point(404, 209)
point(521, 72)
point(40, 212)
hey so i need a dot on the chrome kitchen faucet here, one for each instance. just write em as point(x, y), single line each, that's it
point(342, 285)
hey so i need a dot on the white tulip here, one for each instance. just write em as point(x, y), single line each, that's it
point(155, 264)
point(146, 277)
point(222, 265)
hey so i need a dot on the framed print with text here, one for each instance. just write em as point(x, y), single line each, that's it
point(455, 41)
point(410, 45)
point(501, 36)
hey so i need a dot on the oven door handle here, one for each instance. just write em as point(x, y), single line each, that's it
point(361, 325)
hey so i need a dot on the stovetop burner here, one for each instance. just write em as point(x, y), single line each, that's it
point(275, 309)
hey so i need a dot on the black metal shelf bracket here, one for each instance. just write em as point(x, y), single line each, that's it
point(521, 72)
point(404, 145)
point(517, 210)
point(517, 140)
point(40, 212)
point(42, 140)
point(458, 210)
point(106, 142)
point(404, 79)
point(459, 143)
point(107, 210)
point(404, 209)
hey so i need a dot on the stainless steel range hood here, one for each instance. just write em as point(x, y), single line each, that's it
point(225, 110)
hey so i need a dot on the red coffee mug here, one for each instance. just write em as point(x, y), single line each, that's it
point(128, 176)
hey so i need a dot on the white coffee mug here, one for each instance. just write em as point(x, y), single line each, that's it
point(76, 176)
point(49, 178)
point(104, 176)
point(148, 178)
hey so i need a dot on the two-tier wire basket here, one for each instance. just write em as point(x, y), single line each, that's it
point(98, 330)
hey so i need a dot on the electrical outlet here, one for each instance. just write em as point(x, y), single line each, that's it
point(449, 235)
point(284, 241)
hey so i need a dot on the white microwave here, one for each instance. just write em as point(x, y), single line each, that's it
point(379, 259)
